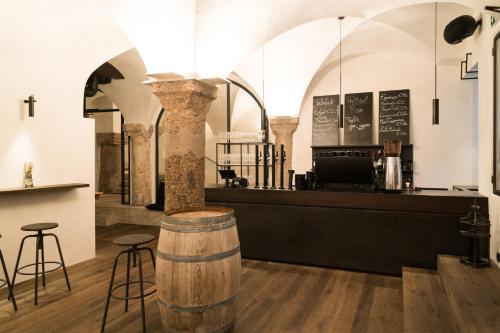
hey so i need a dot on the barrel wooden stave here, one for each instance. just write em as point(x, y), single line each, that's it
point(198, 272)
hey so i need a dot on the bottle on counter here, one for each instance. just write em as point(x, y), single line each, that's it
point(380, 161)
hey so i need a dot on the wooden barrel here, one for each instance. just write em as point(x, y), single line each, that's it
point(198, 270)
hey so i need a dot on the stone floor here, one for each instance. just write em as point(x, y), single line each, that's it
point(109, 211)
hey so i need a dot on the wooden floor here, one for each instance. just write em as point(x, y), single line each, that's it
point(426, 306)
point(273, 298)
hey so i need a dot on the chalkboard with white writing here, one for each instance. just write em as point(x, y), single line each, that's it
point(394, 116)
point(325, 122)
point(358, 126)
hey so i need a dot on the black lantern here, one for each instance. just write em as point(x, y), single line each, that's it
point(476, 232)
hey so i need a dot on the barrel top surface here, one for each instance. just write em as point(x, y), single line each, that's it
point(39, 226)
point(133, 239)
point(202, 216)
point(199, 214)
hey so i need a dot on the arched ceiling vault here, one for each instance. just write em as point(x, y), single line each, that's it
point(210, 38)
point(292, 59)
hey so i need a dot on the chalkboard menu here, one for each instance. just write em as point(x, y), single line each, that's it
point(325, 124)
point(358, 119)
point(394, 116)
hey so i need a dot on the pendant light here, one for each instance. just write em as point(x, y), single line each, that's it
point(341, 114)
point(435, 101)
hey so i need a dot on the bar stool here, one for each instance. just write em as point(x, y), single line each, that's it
point(7, 281)
point(39, 228)
point(133, 242)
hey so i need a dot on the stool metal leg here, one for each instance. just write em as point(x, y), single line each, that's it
point(128, 281)
point(62, 260)
point(110, 290)
point(141, 286)
point(36, 268)
point(152, 255)
point(43, 258)
point(9, 286)
point(19, 259)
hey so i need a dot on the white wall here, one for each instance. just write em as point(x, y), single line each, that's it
point(50, 58)
point(108, 122)
point(383, 53)
point(444, 154)
point(482, 48)
point(134, 98)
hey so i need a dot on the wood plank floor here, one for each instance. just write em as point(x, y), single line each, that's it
point(473, 294)
point(273, 298)
point(426, 307)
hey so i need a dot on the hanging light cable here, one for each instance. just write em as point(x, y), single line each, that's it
point(263, 80)
point(435, 101)
point(264, 120)
point(341, 113)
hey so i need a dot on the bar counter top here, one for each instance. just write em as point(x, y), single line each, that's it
point(428, 201)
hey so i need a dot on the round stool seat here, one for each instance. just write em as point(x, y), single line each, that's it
point(39, 226)
point(134, 239)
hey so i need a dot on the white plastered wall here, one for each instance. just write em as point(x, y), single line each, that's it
point(387, 54)
point(44, 57)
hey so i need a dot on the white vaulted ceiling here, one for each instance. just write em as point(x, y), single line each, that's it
point(212, 37)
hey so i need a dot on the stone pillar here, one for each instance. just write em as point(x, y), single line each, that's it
point(109, 162)
point(283, 128)
point(140, 163)
point(186, 103)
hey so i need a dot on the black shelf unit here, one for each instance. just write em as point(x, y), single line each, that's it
point(227, 147)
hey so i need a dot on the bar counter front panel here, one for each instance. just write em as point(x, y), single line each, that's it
point(373, 232)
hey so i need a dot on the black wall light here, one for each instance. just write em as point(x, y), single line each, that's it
point(341, 113)
point(460, 28)
point(495, 9)
point(435, 101)
point(31, 105)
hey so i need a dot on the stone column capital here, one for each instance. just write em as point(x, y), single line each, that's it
point(135, 130)
point(283, 128)
point(284, 125)
point(174, 89)
point(113, 139)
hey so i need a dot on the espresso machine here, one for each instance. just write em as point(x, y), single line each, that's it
point(392, 167)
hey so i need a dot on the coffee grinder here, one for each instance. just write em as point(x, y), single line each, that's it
point(392, 169)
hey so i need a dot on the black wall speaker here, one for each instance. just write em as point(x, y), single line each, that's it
point(460, 28)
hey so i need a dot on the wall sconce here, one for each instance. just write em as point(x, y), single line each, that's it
point(31, 102)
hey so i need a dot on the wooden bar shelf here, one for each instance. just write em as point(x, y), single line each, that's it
point(43, 188)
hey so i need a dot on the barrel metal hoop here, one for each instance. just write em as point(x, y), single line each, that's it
point(202, 228)
point(198, 309)
point(192, 259)
point(199, 223)
point(199, 220)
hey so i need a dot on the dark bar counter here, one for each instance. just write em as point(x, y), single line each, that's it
point(373, 232)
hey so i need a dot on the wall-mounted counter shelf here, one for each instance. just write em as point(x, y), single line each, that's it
point(43, 188)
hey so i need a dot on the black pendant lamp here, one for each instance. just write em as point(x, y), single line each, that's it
point(341, 114)
point(435, 101)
